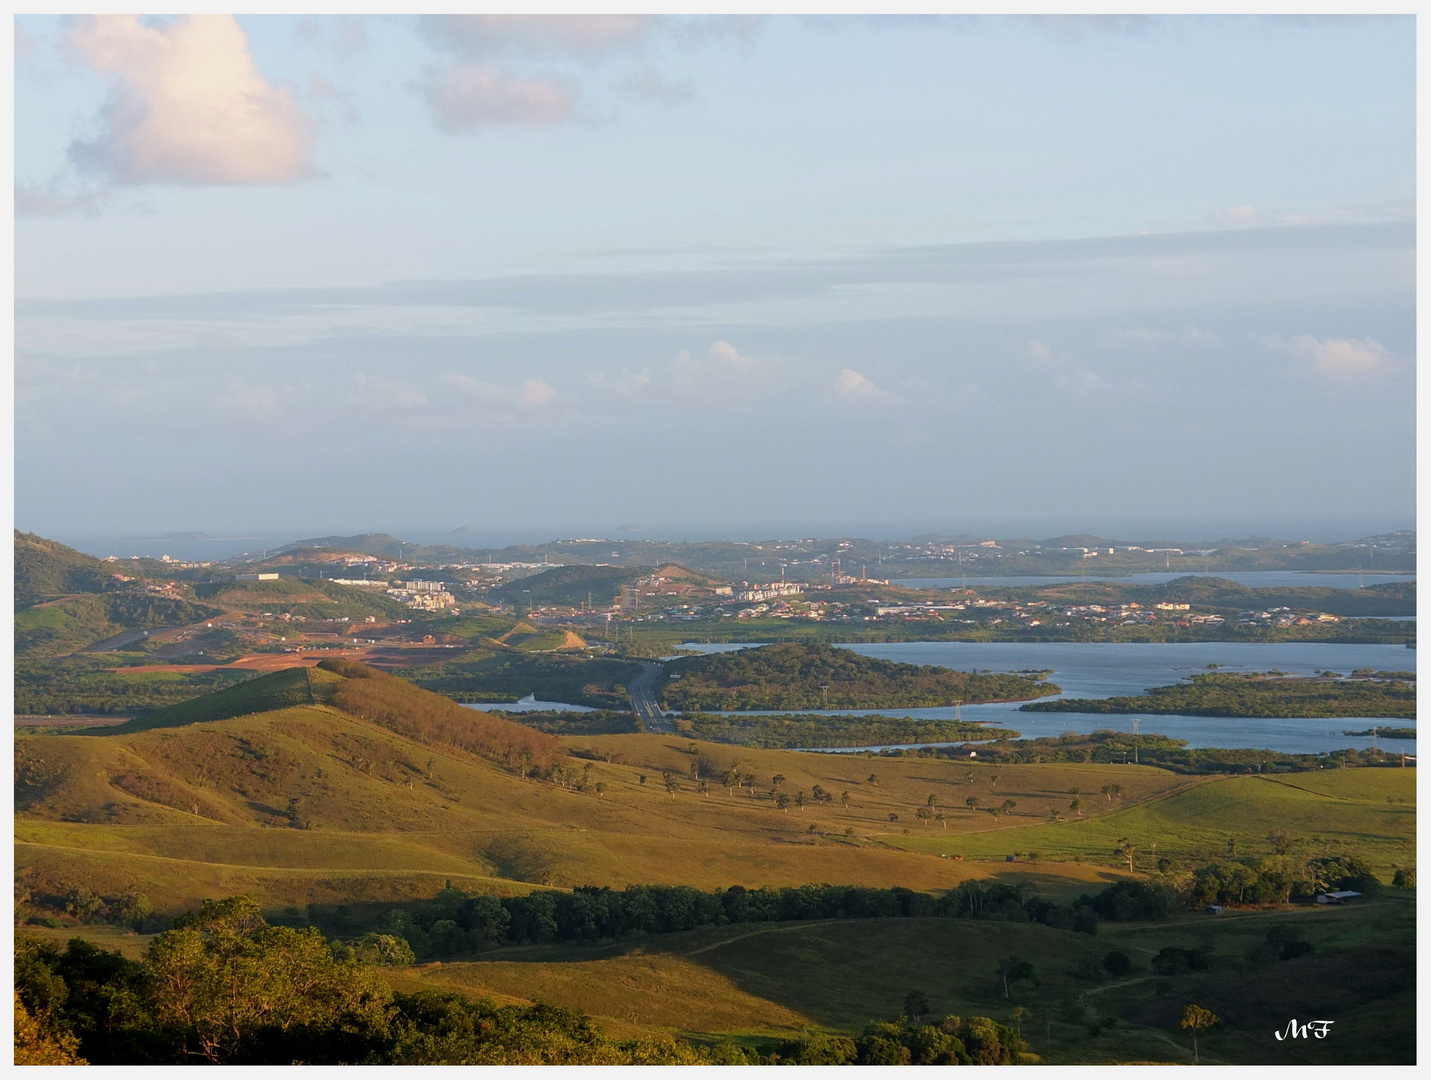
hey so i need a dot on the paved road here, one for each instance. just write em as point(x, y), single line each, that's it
point(129, 637)
point(643, 700)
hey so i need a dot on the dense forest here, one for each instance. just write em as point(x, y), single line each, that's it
point(1389, 694)
point(816, 675)
point(803, 731)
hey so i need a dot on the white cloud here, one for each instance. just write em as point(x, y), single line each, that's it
point(567, 34)
point(852, 386)
point(530, 394)
point(1337, 358)
point(465, 97)
point(1143, 337)
point(188, 106)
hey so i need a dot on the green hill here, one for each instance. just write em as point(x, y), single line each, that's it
point(45, 570)
point(311, 598)
point(812, 676)
point(64, 626)
point(569, 586)
point(266, 693)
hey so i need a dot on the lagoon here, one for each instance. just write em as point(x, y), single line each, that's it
point(1084, 669)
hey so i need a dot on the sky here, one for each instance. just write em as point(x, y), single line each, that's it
point(714, 277)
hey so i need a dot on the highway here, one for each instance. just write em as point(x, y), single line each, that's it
point(643, 700)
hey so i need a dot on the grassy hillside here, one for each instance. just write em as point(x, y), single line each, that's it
point(1369, 812)
point(45, 569)
point(811, 676)
point(313, 599)
point(768, 981)
point(568, 586)
point(83, 685)
point(266, 693)
point(60, 627)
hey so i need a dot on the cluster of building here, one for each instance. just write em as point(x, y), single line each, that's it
point(422, 595)
point(1281, 616)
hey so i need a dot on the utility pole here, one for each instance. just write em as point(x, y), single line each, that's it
point(1135, 740)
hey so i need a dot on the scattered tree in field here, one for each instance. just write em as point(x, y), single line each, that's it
point(704, 788)
point(1280, 841)
point(993, 780)
point(671, 786)
point(1197, 1020)
point(997, 811)
point(1011, 970)
point(929, 802)
point(777, 780)
point(695, 770)
point(972, 802)
point(1125, 851)
point(729, 780)
point(1008, 806)
point(1118, 791)
point(939, 817)
point(783, 801)
point(1107, 790)
point(1232, 845)
point(642, 778)
point(893, 817)
point(1117, 963)
point(601, 787)
point(1018, 1015)
point(873, 779)
point(923, 814)
point(800, 801)
point(845, 799)
point(916, 1006)
point(1076, 806)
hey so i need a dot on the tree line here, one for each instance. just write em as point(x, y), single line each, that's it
point(224, 987)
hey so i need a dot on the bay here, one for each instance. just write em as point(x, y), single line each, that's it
point(1095, 670)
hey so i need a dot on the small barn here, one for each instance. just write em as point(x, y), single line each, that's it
point(1342, 896)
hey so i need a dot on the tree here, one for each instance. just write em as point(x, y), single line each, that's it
point(601, 787)
point(1117, 790)
point(1197, 1020)
point(1018, 1015)
point(1117, 963)
point(972, 802)
point(671, 786)
point(1232, 845)
point(800, 801)
point(845, 799)
point(993, 780)
point(873, 780)
point(929, 802)
point(36, 1045)
point(1107, 791)
point(783, 801)
point(1076, 806)
point(923, 814)
point(916, 1006)
point(776, 781)
point(704, 788)
point(1011, 970)
point(1125, 851)
point(939, 817)
point(1280, 841)
point(224, 977)
point(642, 778)
point(1008, 806)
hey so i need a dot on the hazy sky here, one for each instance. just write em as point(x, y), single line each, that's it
point(548, 276)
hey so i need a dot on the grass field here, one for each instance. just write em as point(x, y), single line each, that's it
point(1371, 812)
point(768, 980)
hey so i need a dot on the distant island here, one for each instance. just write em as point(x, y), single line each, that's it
point(1385, 733)
point(799, 676)
point(1262, 694)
